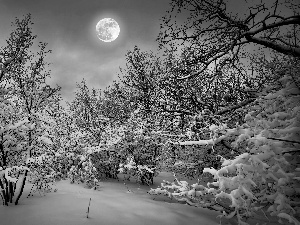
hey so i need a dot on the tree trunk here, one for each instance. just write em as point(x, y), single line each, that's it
point(3, 193)
point(20, 186)
point(29, 144)
point(10, 191)
point(3, 164)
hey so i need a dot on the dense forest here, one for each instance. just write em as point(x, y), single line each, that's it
point(202, 106)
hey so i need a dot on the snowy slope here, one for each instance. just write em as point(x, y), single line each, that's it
point(112, 204)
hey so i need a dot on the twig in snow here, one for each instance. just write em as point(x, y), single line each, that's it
point(87, 215)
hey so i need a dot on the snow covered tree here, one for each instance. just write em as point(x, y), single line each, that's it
point(24, 125)
point(86, 113)
point(266, 176)
point(263, 172)
point(116, 103)
point(141, 76)
point(27, 72)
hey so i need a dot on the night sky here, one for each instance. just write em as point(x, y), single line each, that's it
point(68, 26)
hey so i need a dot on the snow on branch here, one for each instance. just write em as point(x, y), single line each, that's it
point(211, 141)
point(241, 104)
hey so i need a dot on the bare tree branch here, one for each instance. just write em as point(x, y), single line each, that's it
point(213, 33)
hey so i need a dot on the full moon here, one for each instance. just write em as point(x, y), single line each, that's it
point(107, 30)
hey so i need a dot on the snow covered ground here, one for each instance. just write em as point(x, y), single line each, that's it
point(112, 204)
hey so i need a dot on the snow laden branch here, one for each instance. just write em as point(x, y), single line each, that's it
point(212, 141)
point(266, 177)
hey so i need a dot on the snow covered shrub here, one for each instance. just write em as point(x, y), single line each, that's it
point(84, 172)
point(60, 165)
point(143, 174)
point(106, 163)
point(267, 175)
point(21, 136)
point(12, 155)
point(146, 173)
point(138, 152)
point(188, 161)
point(11, 183)
point(195, 195)
point(63, 162)
point(128, 169)
point(12, 135)
point(41, 173)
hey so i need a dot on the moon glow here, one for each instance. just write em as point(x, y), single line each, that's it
point(107, 30)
